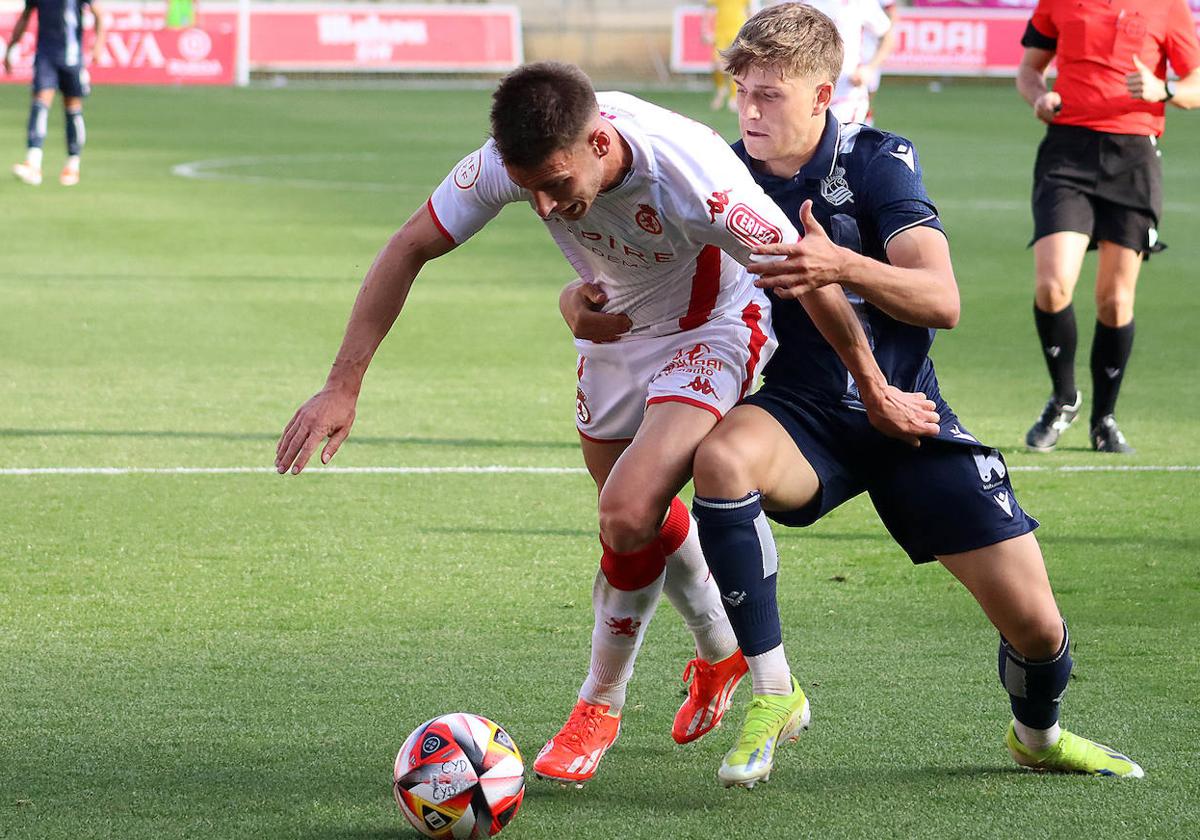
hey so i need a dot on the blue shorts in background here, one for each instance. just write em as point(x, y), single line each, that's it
point(49, 74)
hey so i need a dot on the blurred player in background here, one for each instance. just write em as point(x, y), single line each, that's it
point(876, 50)
point(799, 447)
point(57, 65)
point(727, 18)
point(655, 213)
point(1097, 182)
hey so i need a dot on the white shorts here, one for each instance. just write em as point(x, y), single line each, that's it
point(711, 367)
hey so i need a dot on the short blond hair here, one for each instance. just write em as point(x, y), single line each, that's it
point(793, 39)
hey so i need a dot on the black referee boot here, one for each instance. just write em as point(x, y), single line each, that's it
point(1056, 418)
point(1106, 437)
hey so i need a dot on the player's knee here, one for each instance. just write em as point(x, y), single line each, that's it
point(721, 468)
point(1054, 291)
point(627, 524)
point(1115, 308)
point(1039, 637)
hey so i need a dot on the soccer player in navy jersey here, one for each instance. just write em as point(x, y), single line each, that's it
point(801, 445)
point(57, 65)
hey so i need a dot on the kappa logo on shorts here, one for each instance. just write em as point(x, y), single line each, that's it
point(582, 412)
point(750, 228)
point(627, 626)
point(467, 172)
point(701, 385)
point(835, 190)
point(647, 220)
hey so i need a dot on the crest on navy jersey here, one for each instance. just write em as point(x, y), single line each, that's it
point(834, 189)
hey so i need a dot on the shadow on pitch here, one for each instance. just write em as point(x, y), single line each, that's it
point(272, 437)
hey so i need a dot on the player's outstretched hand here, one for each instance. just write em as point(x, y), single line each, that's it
point(8, 62)
point(1143, 84)
point(328, 414)
point(581, 306)
point(1047, 106)
point(901, 415)
point(811, 263)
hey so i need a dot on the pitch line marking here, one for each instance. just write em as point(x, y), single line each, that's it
point(493, 470)
point(215, 169)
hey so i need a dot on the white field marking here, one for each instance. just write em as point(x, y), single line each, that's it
point(217, 169)
point(494, 470)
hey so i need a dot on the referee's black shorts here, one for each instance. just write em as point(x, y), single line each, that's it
point(1108, 186)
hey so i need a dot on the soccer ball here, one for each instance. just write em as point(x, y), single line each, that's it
point(459, 776)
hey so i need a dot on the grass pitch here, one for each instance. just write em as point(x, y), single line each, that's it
point(240, 655)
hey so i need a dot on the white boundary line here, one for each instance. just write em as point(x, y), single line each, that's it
point(494, 470)
point(216, 169)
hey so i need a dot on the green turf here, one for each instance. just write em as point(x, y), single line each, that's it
point(240, 656)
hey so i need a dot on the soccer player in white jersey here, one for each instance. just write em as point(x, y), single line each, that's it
point(658, 214)
point(857, 21)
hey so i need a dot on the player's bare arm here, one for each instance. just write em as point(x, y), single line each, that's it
point(918, 287)
point(896, 413)
point(17, 34)
point(330, 412)
point(1144, 84)
point(1031, 83)
point(98, 32)
point(580, 304)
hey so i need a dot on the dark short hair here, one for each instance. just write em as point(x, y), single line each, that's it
point(539, 109)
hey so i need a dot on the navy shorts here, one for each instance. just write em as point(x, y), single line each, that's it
point(49, 74)
point(951, 494)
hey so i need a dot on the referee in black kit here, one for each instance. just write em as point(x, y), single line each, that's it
point(1098, 181)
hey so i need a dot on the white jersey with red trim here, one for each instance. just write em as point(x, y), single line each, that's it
point(855, 20)
point(668, 243)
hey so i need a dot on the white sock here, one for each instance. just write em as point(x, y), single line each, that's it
point(73, 163)
point(694, 593)
point(1037, 739)
point(769, 672)
point(621, 621)
point(33, 157)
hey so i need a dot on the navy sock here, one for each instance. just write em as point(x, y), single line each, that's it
point(1111, 348)
point(740, 551)
point(1058, 335)
point(38, 115)
point(76, 135)
point(1035, 689)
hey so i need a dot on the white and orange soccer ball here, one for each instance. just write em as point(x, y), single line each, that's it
point(458, 776)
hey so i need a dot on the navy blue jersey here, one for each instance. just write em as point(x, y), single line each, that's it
point(866, 187)
point(60, 30)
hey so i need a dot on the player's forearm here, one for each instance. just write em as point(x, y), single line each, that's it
point(838, 323)
point(380, 300)
point(1031, 83)
point(18, 30)
point(1187, 91)
point(923, 297)
point(886, 44)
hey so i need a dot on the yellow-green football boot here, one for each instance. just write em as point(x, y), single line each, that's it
point(770, 720)
point(1073, 754)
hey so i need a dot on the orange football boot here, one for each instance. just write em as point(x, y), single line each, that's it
point(572, 756)
point(709, 695)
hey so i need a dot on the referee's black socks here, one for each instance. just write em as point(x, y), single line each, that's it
point(1111, 348)
point(1059, 338)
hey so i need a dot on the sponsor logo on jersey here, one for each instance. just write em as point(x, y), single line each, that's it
point(581, 407)
point(717, 205)
point(835, 190)
point(647, 219)
point(751, 228)
point(467, 172)
point(627, 626)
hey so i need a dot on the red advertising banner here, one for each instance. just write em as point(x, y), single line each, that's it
point(369, 36)
point(941, 41)
point(997, 4)
point(138, 49)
